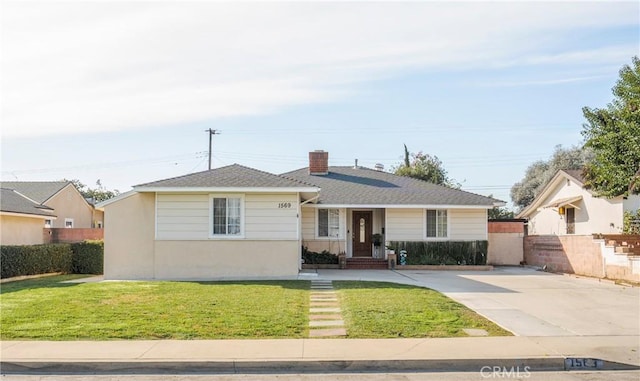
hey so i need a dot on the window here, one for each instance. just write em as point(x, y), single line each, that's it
point(68, 222)
point(227, 216)
point(328, 222)
point(48, 223)
point(436, 223)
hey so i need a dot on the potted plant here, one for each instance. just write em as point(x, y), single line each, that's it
point(377, 239)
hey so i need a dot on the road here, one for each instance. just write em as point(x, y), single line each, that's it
point(539, 376)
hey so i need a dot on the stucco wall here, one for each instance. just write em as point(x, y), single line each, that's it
point(69, 203)
point(129, 238)
point(225, 258)
point(16, 230)
point(506, 246)
point(595, 215)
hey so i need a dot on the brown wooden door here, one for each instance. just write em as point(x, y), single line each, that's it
point(571, 220)
point(362, 234)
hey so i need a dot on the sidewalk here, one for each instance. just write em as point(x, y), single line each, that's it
point(314, 355)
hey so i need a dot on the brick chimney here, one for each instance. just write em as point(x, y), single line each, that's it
point(318, 162)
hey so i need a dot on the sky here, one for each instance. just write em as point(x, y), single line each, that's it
point(122, 92)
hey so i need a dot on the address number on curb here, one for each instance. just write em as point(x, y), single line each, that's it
point(572, 363)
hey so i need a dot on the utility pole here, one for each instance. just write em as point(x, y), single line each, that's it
point(211, 133)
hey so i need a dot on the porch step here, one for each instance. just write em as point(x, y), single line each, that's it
point(367, 263)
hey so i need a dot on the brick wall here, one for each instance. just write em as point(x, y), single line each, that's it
point(65, 235)
point(506, 227)
point(572, 254)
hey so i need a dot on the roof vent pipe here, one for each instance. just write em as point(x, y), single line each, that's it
point(356, 164)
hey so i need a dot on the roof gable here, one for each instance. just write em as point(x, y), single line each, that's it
point(14, 202)
point(38, 191)
point(558, 180)
point(232, 176)
point(364, 186)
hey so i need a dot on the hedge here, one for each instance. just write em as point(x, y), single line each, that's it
point(79, 258)
point(442, 253)
point(322, 258)
point(88, 257)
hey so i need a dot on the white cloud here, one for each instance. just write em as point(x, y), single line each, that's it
point(101, 66)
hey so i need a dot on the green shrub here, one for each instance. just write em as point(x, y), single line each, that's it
point(443, 253)
point(631, 222)
point(323, 258)
point(35, 259)
point(88, 257)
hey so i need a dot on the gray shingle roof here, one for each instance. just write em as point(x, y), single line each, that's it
point(576, 174)
point(39, 191)
point(232, 176)
point(13, 202)
point(364, 186)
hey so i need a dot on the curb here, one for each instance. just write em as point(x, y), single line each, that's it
point(294, 366)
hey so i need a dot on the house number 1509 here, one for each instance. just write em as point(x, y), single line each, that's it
point(284, 205)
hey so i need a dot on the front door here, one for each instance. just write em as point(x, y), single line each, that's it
point(571, 220)
point(362, 234)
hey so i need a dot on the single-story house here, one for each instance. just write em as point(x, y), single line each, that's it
point(237, 221)
point(564, 207)
point(21, 219)
point(71, 208)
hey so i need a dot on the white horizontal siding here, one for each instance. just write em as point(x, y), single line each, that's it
point(405, 225)
point(187, 217)
point(468, 224)
point(182, 216)
point(264, 219)
point(308, 223)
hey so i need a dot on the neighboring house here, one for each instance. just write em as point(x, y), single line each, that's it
point(21, 219)
point(71, 208)
point(237, 221)
point(565, 207)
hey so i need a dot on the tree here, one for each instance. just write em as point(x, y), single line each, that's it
point(540, 172)
point(98, 194)
point(613, 133)
point(424, 167)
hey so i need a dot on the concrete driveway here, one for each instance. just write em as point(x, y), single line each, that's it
point(525, 301)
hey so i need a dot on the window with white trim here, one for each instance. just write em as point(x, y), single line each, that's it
point(436, 223)
point(328, 222)
point(227, 216)
point(68, 222)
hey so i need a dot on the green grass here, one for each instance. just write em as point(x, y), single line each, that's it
point(389, 310)
point(45, 309)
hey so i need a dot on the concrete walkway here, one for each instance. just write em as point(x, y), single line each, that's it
point(313, 355)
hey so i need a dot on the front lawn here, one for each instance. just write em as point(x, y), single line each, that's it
point(387, 310)
point(45, 309)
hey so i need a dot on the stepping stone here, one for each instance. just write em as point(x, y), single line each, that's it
point(324, 305)
point(324, 309)
point(326, 323)
point(321, 287)
point(325, 317)
point(328, 332)
point(334, 300)
point(475, 332)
